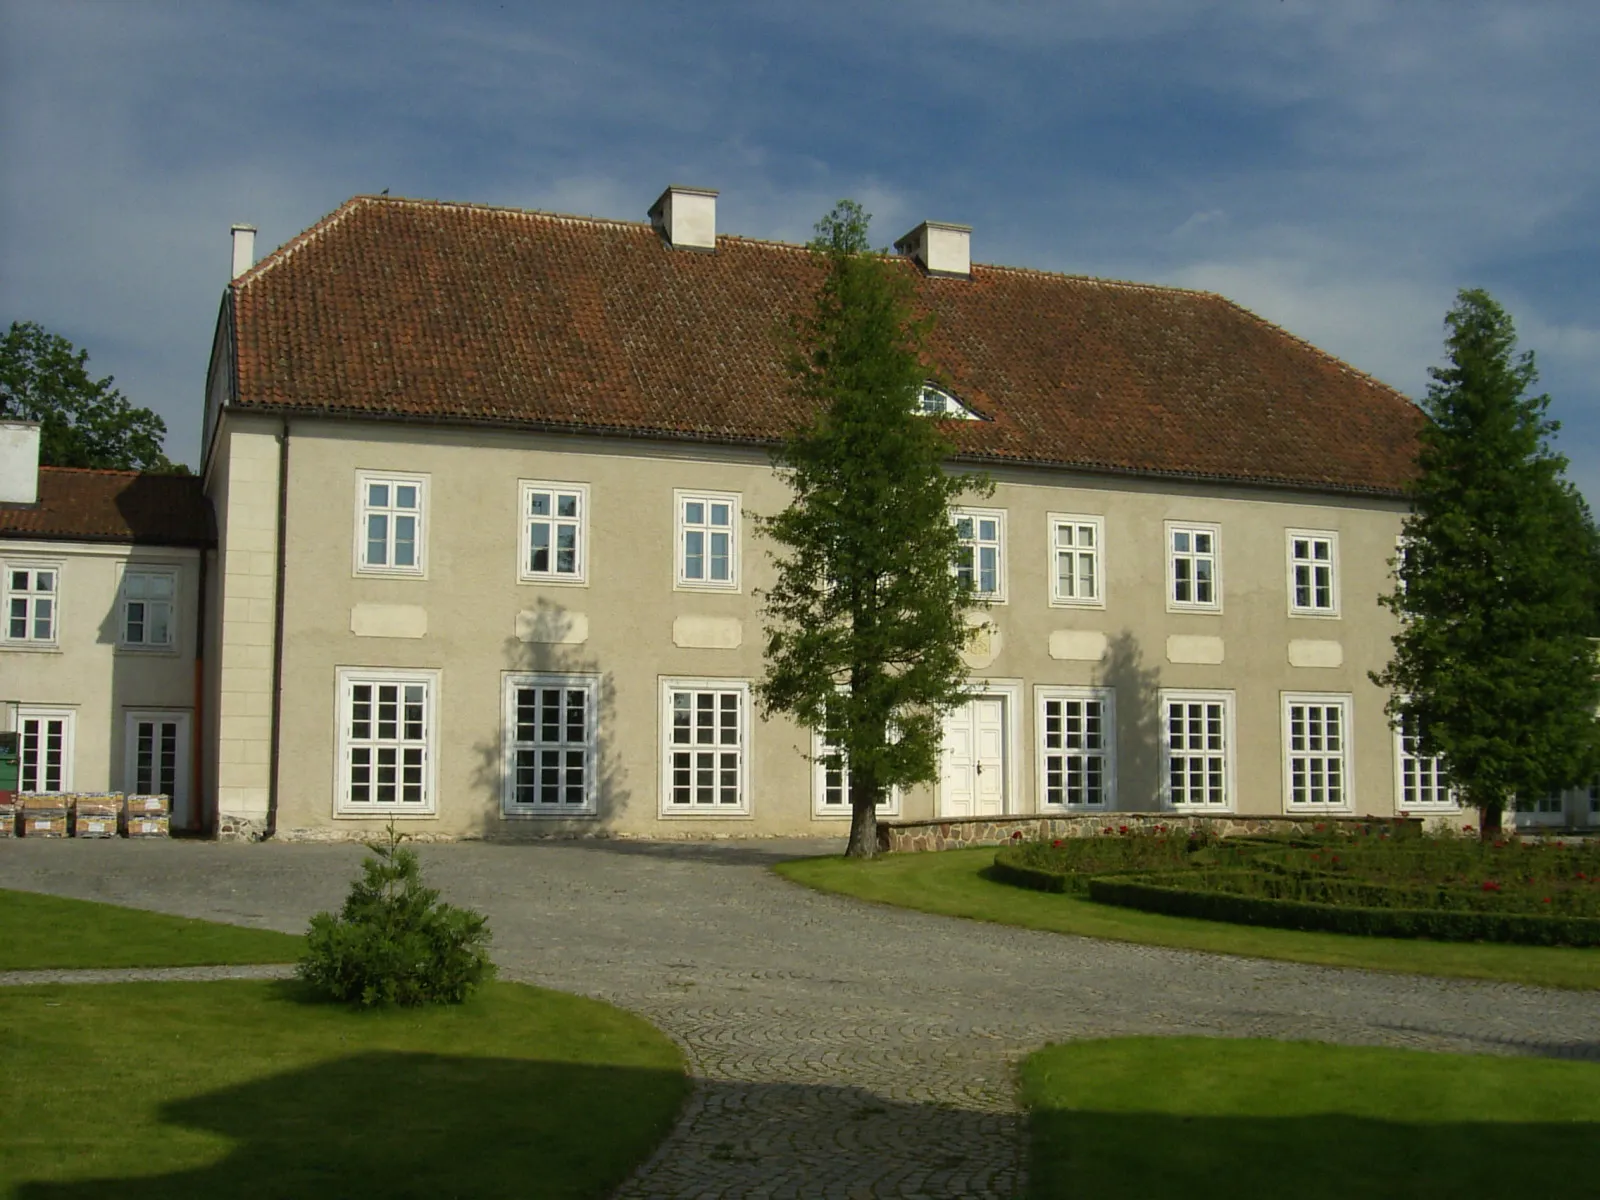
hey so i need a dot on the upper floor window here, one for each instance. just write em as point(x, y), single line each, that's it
point(708, 540)
point(981, 559)
point(936, 402)
point(147, 608)
point(1313, 573)
point(555, 518)
point(391, 513)
point(1076, 566)
point(32, 593)
point(1194, 567)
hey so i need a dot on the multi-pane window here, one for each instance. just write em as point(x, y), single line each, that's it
point(706, 742)
point(980, 560)
point(1076, 738)
point(1197, 749)
point(831, 784)
point(554, 516)
point(708, 540)
point(389, 532)
point(1422, 782)
point(31, 596)
point(1194, 569)
point(550, 745)
point(1075, 560)
point(147, 600)
point(935, 402)
point(155, 757)
point(386, 741)
point(1313, 573)
point(44, 751)
point(1316, 744)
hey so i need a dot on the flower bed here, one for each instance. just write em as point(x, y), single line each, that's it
point(1438, 887)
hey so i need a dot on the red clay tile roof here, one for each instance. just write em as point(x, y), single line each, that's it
point(422, 309)
point(112, 506)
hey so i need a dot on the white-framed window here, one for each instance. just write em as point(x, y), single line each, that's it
point(391, 524)
point(707, 540)
point(1194, 567)
point(148, 608)
point(1077, 748)
point(830, 785)
point(1313, 573)
point(982, 556)
point(705, 747)
point(1548, 809)
point(387, 739)
point(1420, 781)
point(1316, 752)
point(32, 602)
point(1197, 750)
point(554, 534)
point(551, 744)
point(1077, 560)
point(44, 749)
point(936, 402)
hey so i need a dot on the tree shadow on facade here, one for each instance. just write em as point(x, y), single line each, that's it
point(551, 642)
point(1138, 697)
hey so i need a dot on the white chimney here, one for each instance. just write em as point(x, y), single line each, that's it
point(686, 217)
point(244, 249)
point(19, 462)
point(941, 248)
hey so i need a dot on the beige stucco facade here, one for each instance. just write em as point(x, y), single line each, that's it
point(464, 623)
point(88, 676)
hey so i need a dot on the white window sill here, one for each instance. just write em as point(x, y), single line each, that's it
point(32, 647)
point(582, 814)
point(405, 814)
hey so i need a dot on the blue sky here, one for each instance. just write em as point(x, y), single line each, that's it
point(1340, 168)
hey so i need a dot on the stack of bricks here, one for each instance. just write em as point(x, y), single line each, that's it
point(44, 814)
point(8, 814)
point(146, 817)
point(95, 814)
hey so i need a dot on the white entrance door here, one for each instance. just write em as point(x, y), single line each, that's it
point(158, 760)
point(972, 776)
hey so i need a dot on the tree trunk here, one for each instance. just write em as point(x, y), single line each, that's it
point(1489, 821)
point(863, 820)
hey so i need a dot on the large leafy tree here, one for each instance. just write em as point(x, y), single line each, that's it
point(84, 422)
point(866, 622)
point(1493, 668)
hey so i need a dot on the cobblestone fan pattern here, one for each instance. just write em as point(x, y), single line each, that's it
point(839, 1049)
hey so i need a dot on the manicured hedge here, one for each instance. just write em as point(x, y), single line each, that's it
point(1165, 894)
point(1008, 868)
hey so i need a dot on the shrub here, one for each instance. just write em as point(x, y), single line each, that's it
point(394, 941)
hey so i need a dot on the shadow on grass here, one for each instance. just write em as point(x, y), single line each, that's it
point(1143, 1156)
point(407, 1124)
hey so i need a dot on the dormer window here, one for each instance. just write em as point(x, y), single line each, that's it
point(936, 402)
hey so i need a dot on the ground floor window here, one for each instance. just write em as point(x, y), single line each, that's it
point(830, 785)
point(705, 739)
point(551, 739)
point(1077, 737)
point(1197, 749)
point(386, 741)
point(44, 750)
point(1316, 752)
point(1422, 778)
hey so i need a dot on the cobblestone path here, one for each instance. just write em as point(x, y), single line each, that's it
point(839, 1049)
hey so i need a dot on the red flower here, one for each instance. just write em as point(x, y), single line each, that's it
point(1546, 900)
point(1490, 885)
point(1122, 829)
point(1335, 858)
point(1016, 835)
point(1056, 844)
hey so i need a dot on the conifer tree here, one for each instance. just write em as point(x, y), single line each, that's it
point(866, 621)
point(1493, 669)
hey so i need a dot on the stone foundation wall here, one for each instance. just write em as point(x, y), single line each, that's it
point(909, 836)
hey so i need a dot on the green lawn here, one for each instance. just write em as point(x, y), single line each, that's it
point(952, 883)
point(1147, 1118)
point(244, 1089)
point(38, 932)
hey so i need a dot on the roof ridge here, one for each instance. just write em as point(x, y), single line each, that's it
point(103, 470)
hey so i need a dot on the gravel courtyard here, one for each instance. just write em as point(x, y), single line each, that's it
point(840, 1049)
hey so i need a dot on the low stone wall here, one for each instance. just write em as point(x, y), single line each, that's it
point(907, 836)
